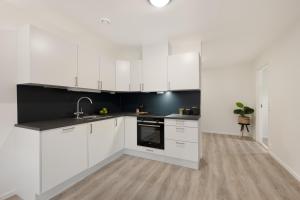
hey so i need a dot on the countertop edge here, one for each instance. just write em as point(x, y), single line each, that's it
point(36, 128)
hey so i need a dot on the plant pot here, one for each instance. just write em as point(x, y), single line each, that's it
point(244, 120)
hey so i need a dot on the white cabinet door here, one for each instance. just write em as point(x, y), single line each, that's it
point(131, 133)
point(184, 71)
point(118, 139)
point(100, 140)
point(182, 150)
point(136, 76)
point(88, 68)
point(155, 68)
point(63, 154)
point(122, 75)
point(107, 73)
point(52, 60)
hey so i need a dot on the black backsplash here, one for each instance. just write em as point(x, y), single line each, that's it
point(38, 103)
point(161, 104)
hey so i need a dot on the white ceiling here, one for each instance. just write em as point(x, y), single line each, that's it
point(232, 31)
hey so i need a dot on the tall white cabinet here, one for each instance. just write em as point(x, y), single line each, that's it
point(45, 59)
point(155, 59)
point(136, 76)
point(123, 75)
point(107, 73)
point(184, 71)
point(88, 75)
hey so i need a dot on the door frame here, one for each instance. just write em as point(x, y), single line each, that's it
point(259, 117)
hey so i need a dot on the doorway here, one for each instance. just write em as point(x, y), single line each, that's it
point(263, 108)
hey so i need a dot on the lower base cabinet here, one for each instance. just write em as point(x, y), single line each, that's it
point(105, 138)
point(63, 155)
point(50, 158)
point(99, 140)
point(131, 133)
point(182, 150)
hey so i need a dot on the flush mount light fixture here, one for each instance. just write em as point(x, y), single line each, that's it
point(159, 3)
point(105, 20)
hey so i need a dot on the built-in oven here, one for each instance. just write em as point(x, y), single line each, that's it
point(150, 132)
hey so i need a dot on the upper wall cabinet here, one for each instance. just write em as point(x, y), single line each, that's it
point(136, 76)
point(107, 73)
point(155, 68)
point(88, 68)
point(46, 59)
point(122, 75)
point(184, 71)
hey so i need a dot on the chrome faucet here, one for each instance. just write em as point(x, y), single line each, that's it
point(78, 112)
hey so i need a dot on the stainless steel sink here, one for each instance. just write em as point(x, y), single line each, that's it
point(94, 117)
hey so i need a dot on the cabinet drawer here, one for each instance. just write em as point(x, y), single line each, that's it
point(181, 150)
point(181, 133)
point(181, 123)
point(150, 150)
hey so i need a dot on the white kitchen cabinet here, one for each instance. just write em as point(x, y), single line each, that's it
point(118, 135)
point(107, 73)
point(46, 59)
point(186, 134)
point(122, 75)
point(88, 68)
point(183, 139)
point(155, 59)
point(100, 140)
point(184, 71)
point(182, 150)
point(136, 76)
point(131, 133)
point(63, 154)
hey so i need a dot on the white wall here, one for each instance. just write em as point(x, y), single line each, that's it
point(11, 18)
point(284, 96)
point(8, 107)
point(221, 88)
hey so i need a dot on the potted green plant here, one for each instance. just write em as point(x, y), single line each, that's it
point(243, 111)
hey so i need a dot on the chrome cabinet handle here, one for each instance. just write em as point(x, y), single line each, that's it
point(76, 81)
point(65, 130)
point(181, 143)
point(156, 126)
point(99, 88)
point(150, 150)
point(142, 87)
point(169, 85)
point(91, 130)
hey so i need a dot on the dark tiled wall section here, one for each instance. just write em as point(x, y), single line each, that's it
point(37, 103)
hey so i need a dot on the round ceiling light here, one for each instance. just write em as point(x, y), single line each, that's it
point(105, 20)
point(159, 3)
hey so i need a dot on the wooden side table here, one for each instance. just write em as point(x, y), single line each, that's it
point(243, 128)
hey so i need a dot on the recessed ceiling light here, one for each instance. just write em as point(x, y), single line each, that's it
point(105, 20)
point(159, 3)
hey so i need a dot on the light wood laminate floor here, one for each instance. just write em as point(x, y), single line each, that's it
point(232, 169)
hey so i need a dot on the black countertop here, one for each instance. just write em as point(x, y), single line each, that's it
point(59, 123)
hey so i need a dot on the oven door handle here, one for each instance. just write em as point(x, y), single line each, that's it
point(157, 126)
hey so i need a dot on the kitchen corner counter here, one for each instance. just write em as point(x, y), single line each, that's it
point(59, 123)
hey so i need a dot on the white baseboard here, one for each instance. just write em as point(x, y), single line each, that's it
point(163, 158)
point(290, 170)
point(7, 195)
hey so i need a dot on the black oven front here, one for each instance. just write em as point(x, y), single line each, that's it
point(150, 132)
